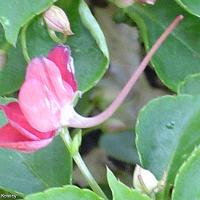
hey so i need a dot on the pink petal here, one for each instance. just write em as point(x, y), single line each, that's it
point(43, 95)
point(40, 107)
point(61, 56)
point(48, 74)
point(11, 138)
point(19, 122)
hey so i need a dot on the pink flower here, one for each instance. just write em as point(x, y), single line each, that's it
point(49, 90)
point(49, 86)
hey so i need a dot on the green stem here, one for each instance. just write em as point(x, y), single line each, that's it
point(55, 38)
point(163, 195)
point(82, 166)
point(23, 42)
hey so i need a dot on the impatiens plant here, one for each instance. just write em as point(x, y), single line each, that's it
point(51, 53)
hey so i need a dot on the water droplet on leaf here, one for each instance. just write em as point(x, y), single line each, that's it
point(170, 125)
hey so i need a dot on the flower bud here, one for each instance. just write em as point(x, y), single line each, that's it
point(144, 180)
point(3, 58)
point(57, 20)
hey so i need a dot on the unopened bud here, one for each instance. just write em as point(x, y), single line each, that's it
point(3, 58)
point(144, 180)
point(57, 20)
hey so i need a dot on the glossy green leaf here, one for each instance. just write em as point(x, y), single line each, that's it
point(121, 191)
point(167, 131)
point(192, 6)
point(91, 24)
point(65, 193)
point(88, 46)
point(187, 180)
point(29, 173)
point(179, 55)
point(16, 13)
point(191, 85)
point(120, 146)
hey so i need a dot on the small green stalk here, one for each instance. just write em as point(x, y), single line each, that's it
point(81, 165)
point(162, 195)
point(55, 38)
point(23, 43)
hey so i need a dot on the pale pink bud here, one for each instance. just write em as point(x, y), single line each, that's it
point(57, 20)
point(3, 58)
point(144, 180)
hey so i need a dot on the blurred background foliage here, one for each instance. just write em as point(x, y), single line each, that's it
point(113, 143)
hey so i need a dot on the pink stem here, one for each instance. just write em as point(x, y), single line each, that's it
point(78, 121)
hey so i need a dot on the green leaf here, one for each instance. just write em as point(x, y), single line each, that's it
point(192, 6)
point(187, 180)
point(191, 85)
point(12, 74)
point(167, 131)
point(179, 55)
point(29, 173)
point(65, 193)
point(91, 24)
point(16, 13)
point(88, 46)
point(121, 191)
point(121, 146)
